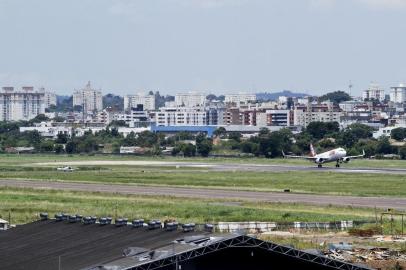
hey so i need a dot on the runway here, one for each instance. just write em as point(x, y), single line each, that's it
point(231, 166)
point(252, 196)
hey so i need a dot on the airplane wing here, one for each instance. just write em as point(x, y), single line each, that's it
point(355, 157)
point(299, 157)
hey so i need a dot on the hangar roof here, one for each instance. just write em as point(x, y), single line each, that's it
point(49, 244)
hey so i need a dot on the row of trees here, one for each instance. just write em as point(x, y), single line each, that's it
point(355, 138)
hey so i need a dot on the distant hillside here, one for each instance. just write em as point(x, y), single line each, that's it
point(274, 96)
point(63, 104)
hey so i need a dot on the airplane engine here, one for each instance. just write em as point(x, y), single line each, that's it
point(346, 160)
point(319, 160)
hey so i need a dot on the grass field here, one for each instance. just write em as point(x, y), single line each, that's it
point(23, 205)
point(297, 181)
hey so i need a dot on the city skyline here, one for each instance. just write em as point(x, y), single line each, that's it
point(310, 46)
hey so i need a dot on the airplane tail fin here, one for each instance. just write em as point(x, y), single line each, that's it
point(312, 152)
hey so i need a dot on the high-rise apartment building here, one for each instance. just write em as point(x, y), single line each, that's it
point(49, 97)
point(90, 99)
point(190, 100)
point(398, 93)
point(374, 92)
point(132, 101)
point(23, 104)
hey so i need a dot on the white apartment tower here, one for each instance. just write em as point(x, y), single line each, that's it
point(398, 93)
point(374, 92)
point(180, 116)
point(23, 104)
point(90, 99)
point(240, 98)
point(49, 97)
point(190, 100)
point(147, 101)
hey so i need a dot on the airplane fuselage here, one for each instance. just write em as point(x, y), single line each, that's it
point(335, 155)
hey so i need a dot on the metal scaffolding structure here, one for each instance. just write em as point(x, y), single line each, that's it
point(250, 242)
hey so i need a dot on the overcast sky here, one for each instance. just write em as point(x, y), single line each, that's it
point(127, 46)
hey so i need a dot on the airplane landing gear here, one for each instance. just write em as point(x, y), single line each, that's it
point(338, 165)
point(319, 166)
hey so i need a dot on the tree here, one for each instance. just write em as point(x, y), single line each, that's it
point(398, 134)
point(264, 131)
point(70, 147)
point(327, 143)
point(188, 150)
point(58, 149)
point(336, 97)
point(59, 119)
point(61, 138)
point(402, 152)
point(384, 146)
point(353, 133)
point(175, 151)
point(77, 108)
point(235, 136)
point(118, 123)
point(47, 146)
point(204, 147)
point(116, 147)
point(114, 102)
point(220, 132)
point(319, 130)
point(249, 147)
point(39, 118)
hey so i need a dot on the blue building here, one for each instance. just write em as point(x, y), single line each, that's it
point(209, 130)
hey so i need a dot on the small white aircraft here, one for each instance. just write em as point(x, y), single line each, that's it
point(338, 155)
point(65, 169)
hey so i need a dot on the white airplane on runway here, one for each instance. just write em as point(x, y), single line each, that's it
point(338, 155)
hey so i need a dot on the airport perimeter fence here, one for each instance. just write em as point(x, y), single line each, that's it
point(261, 227)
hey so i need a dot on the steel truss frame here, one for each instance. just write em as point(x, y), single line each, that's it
point(249, 242)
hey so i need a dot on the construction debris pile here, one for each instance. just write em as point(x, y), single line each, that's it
point(362, 255)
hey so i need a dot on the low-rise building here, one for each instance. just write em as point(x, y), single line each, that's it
point(48, 129)
point(180, 116)
point(279, 118)
point(385, 131)
point(190, 100)
point(324, 112)
point(133, 101)
point(136, 117)
point(240, 98)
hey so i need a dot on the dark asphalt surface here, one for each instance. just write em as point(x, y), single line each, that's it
point(253, 196)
